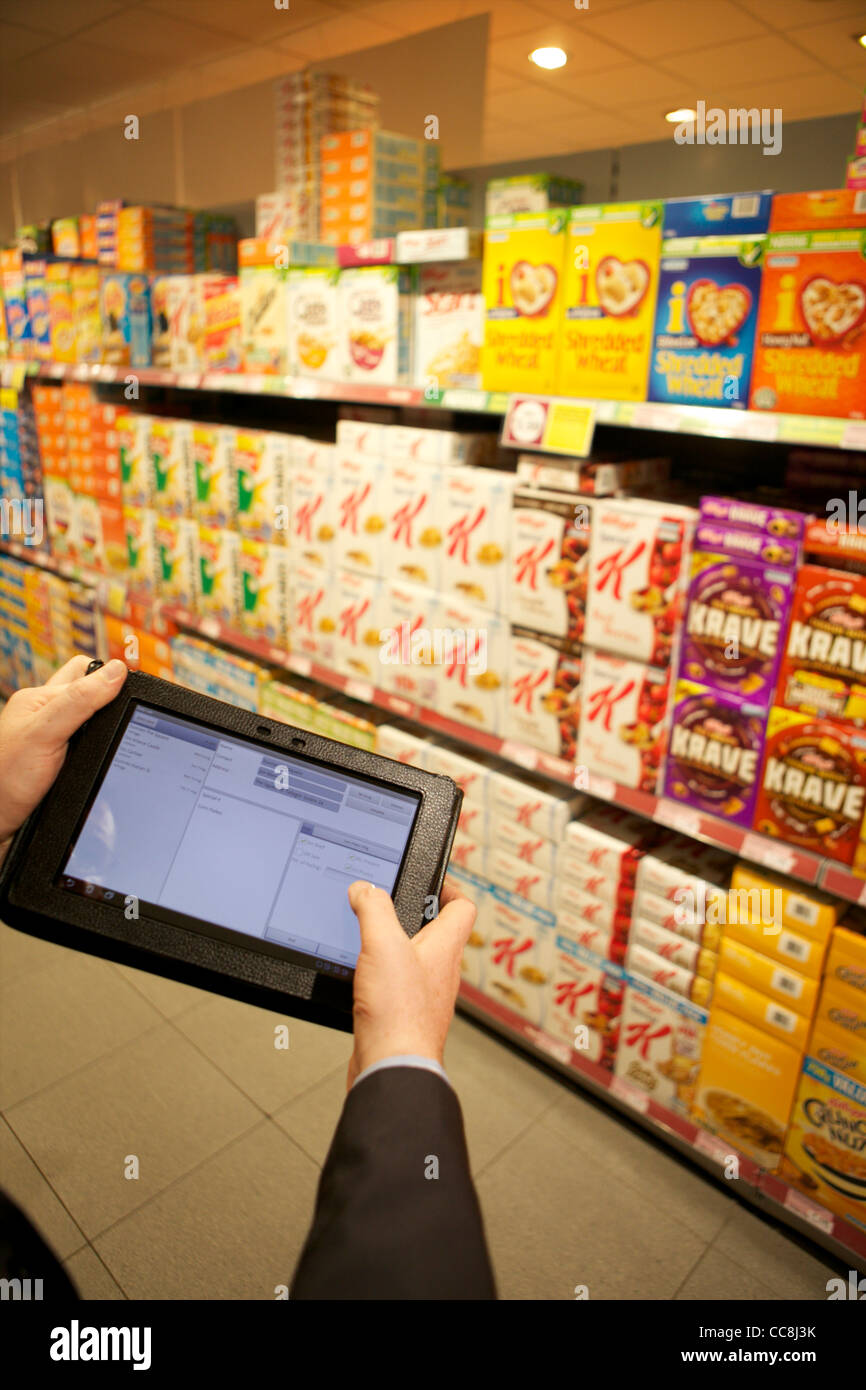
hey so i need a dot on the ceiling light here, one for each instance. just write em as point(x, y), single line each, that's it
point(549, 57)
point(859, 38)
point(682, 113)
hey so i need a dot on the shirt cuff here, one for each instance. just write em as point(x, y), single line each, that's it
point(404, 1060)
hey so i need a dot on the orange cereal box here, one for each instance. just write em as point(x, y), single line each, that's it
point(810, 351)
point(825, 1150)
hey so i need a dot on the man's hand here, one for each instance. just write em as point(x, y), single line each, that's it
point(36, 726)
point(405, 988)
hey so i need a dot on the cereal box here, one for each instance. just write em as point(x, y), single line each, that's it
point(763, 973)
point(264, 314)
point(475, 820)
point(136, 468)
point(523, 268)
point(375, 327)
point(403, 659)
point(831, 207)
point(124, 306)
point(469, 852)
point(177, 557)
point(313, 612)
point(846, 963)
point(823, 670)
point(705, 321)
point(36, 290)
point(213, 457)
point(534, 850)
point(401, 745)
point(142, 561)
point(810, 356)
point(218, 588)
point(262, 477)
point(714, 752)
point(359, 603)
point(549, 547)
point(534, 804)
point(314, 329)
point(609, 299)
point(185, 309)
point(742, 1000)
point(172, 463)
point(530, 193)
point(221, 340)
point(700, 960)
point(414, 539)
point(61, 312)
point(608, 918)
point(746, 1086)
point(807, 910)
point(637, 569)
point(584, 999)
point(160, 340)
point(414, 444)
point(543, 700)
point(839, 1050)
point(473, 775)
point(813, 790)
point(84, 283)
point(264, 582)
point(609, 842)
point(718, 214)
point(517, 956)
point(361, 503)
point(661, 1038)
point(825, 1151)
point(476, 506)
point(472, 676)
point(622, 732)
point(449, 325)
point(518, 877)
point(771, 524)
point(313, 513)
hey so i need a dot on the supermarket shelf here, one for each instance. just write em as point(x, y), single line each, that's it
point(712, 830)
point(764, 1190)
point(814, 431)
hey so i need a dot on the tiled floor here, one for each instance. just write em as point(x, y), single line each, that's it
point(100, 1065)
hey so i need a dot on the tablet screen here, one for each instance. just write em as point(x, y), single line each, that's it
point(192, 826)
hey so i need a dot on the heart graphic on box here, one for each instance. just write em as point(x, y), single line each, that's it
point(621, 285)
point(832, 308)
point(532, 288)
point(716, 312)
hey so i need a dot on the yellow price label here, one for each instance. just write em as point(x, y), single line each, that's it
point(569, 428)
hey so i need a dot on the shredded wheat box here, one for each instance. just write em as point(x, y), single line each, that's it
point(523, 268)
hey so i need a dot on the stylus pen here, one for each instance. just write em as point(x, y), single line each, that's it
point(94, 665)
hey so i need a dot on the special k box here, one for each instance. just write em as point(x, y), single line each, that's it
point(549, 562)
point(584, 998)
point(825, 1151)
point(609, 299)
point(622, 730)
point(522, 281)
point(476, 506)
point(401, 745)
point(823, 670)
point(359, 612)
point(746, 1086)
point(661, 1038)
point(517, 955)
point(313, 612)
point(705, 321)
point(313, 503)
point(637, 573)
point(414, 539)
point(534, 805)
point(516, 876)
point(404, 658)
point(810, 351)
point(608, 841)
point(360, 499)
point(813, 789)
point(472, 675)
point(543, 700)
point(535, 850)
point(473, 775)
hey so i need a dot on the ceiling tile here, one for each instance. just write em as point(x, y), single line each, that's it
point(254, 23)
point(15, 41)
point(786, 15)
point(334, 37)
point(633, 82)
point(170, 40)
point(413, 16)
point(553, 9)
point(833, 43)
point(57, 17)
point(501, 80)
point(766, 57)
point(508, 18)
point(658, 27)
point(821, 94)
point(76, 73)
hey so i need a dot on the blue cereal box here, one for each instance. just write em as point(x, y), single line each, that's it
point(718, 214)
point(705, 321)
point(124, 308)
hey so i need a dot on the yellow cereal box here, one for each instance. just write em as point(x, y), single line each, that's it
point(843, 1008)
point(825, 1151)
point(218, 587)
point(783, 946)
point(808, 911)
point(610, 279)
point(839, 1050)
point(176, 558)
point(846, 962)
point(522, 282)
point(762, 972)
point(264, 590)
point(766, 1013)
point(746, 1087)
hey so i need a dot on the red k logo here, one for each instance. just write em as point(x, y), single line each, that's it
point(460, 532)
point(600, 703)
point(304, 517)
point(403, 518)
point(506, 951)
point(527, 562)
point(525, 686)
point(567, 993)
point(306, 607)
point(351, 505)
point(611, 569)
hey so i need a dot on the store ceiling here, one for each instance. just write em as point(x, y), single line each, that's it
point(78, 62)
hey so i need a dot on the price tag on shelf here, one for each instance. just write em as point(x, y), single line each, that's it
point(404, 707)
point(545, 1043)
point(519, 753)
point(81, 371)
point(769, 853)
point(278, 656)
point(638, 1100)
point(300, 662)
point(854, 435)
point(756, 426)
point(810, 1211)
point(603, 787)
point(359, 690)
point(712, 1146)
point(188, 381)
point(464, 398)
point(675, 817)
point(655, 417)
point(209, 627)
point(549, 423)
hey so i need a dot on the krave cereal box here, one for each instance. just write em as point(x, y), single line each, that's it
point(810, 354)
point(608, 303)
point(523, 265)
point(714, 754)
point(705, 321)
point(823, 670)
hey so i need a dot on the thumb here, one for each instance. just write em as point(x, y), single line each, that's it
point(75, 702)
point(377, 916)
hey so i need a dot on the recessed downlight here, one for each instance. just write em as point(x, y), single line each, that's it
point(682, 113)
point(549, 57)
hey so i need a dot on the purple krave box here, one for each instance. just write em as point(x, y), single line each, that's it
point(735, 625)
point(752, 545)
point(715, 752)
point(753, 516)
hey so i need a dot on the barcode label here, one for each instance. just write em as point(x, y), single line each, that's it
point(803, 910)
point(786, 984)
point(794, 946)
point(780, 1018)
point(745, 206)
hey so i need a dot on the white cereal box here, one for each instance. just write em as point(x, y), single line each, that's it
point(374, 324)
point(401, 745)
point(177, 544)
point(313, 504)
point(660, 1043)
point(472, 674)
point(218, 588)
point(414, 539)
point(534, 805)
point(584, 998)
point(361, 504)
point(437, 448)
point(623, 730)
point(315, 338)
point(473, 774)
point(474, 820)
point(405, 656)
point(517, 955)
point(476, 515)
point(467, 852)
point(534, 850)
point(543, 702)
point(449, 325)
point(313, 612)
point(359, 610)
point(521, 878)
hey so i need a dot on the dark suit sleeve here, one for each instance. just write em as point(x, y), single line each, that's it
point(383, 1228)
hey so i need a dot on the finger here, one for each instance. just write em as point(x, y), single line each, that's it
point(450, 893)
point(75, 667)
point(376, 916)
point(76, 701)
point(446, 936)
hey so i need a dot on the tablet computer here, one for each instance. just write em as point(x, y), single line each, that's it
point(214, 846)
